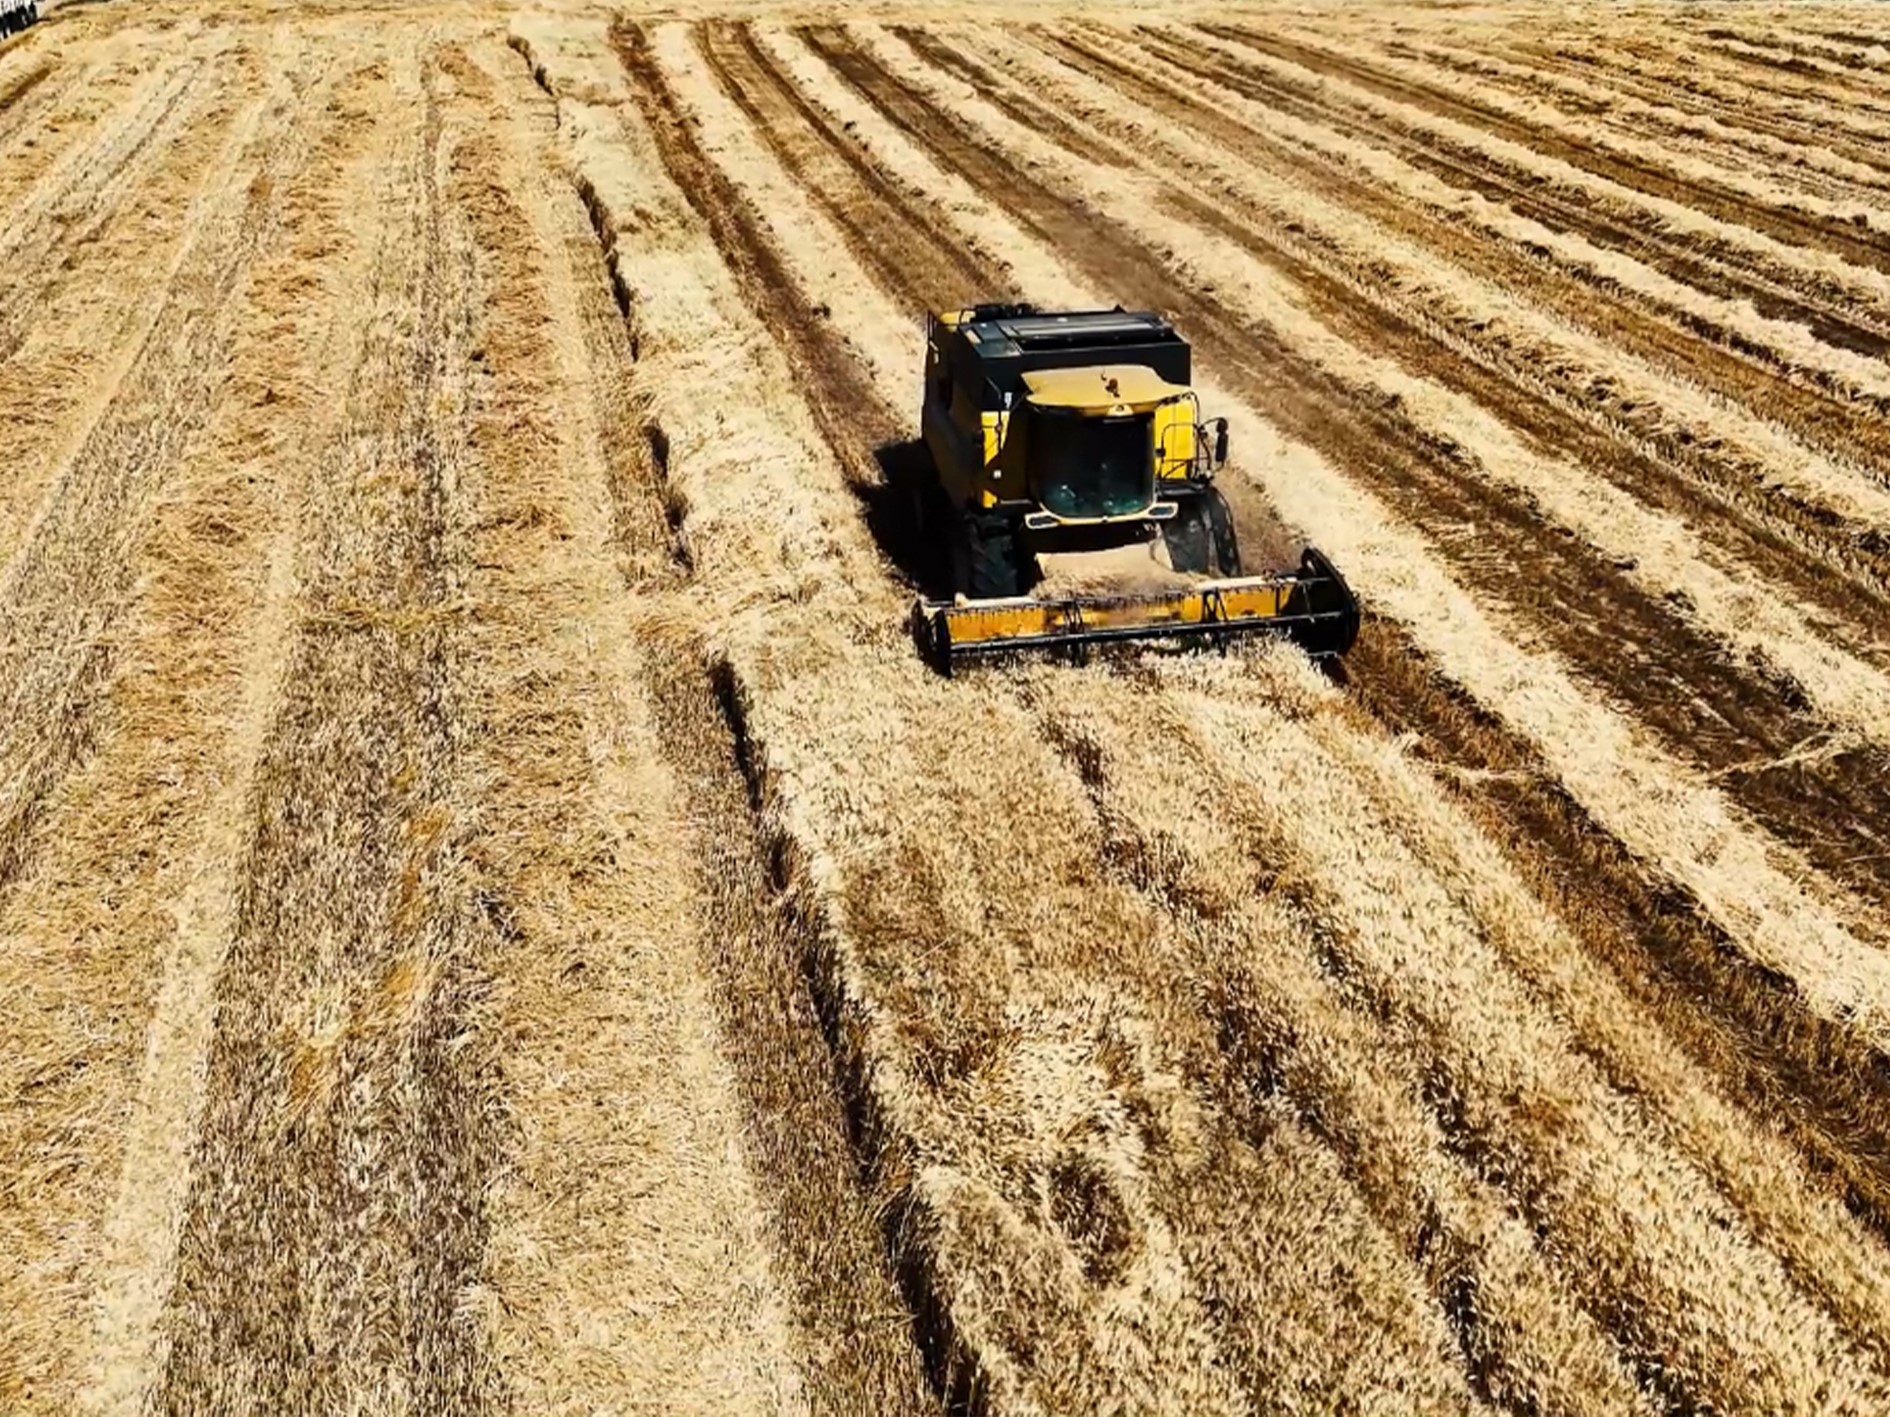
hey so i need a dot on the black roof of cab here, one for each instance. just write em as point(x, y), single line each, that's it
point(999, 344)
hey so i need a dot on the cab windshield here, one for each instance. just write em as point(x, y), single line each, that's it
point(1084, 466)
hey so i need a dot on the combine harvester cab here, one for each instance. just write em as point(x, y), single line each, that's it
point(16, 15)
point(1072, 444)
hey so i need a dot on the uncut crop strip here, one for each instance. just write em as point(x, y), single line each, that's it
point(1758, 1009)
point(1680, 678)
point(1717, 198)
point(1710, 260)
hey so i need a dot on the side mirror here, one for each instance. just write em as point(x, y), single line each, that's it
point(1220, 442)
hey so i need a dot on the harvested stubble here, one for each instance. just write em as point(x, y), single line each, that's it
point(500, 920)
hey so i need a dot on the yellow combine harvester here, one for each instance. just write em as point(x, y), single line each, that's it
point(1071, 476)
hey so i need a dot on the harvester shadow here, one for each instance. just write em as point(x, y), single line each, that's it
point(921, 558)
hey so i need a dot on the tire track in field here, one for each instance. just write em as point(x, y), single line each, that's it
point(1714, 266)
point(1800, 161)
point(350, 1064)
point(1716, 199)
point(65, 589)
point(902, 917)
point(1733, 503)
point(1653, 933)
point(1669, 672)
point(1606, 69)
point(42, 241)
point(880, 232)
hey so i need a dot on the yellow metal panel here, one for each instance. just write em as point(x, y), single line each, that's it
point(977, 623)
point(1100, 386)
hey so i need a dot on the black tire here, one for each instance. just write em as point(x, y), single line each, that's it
point(984, 558)
point(1200, 537)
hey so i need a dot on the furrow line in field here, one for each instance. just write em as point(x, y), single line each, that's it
point(1637, 171)
point(1496, 348)
point(351, 1061)
point(1819, 168)
point(966, 1215)
point(65, 588)
point(1668, 240)
point(16, 115)
point(1837, 79)
point(1680, 682)
point(1776, 117)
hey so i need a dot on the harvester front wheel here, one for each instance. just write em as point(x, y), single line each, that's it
point(1200, 536)
point(984, 558)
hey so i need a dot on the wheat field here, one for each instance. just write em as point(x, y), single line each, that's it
point(496, 917)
